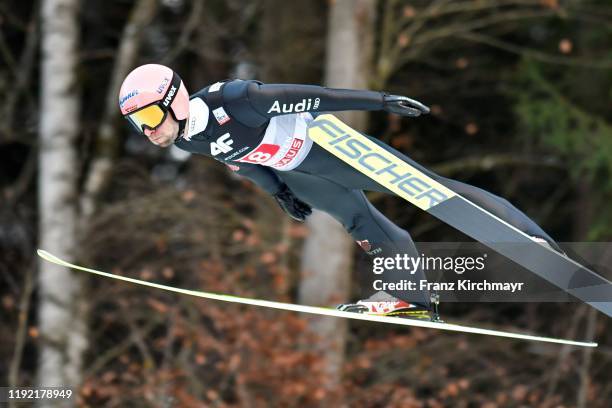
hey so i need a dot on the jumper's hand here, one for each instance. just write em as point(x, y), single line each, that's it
point(296, 208)
point(404, 106)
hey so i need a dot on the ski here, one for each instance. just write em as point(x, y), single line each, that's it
point(317, 310)
point(422, 191)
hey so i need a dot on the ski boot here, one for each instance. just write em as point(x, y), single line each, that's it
point(435, 307)
point(383, 304)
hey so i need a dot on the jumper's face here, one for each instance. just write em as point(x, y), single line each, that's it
point(165, 134)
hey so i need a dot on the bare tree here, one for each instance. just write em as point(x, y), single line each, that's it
point(107, 140)
point(61, 322)
point(409, 30)
point(326, 265)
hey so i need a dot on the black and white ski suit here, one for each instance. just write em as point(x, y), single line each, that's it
point(259, 131)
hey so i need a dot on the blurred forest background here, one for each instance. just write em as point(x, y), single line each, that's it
point(520, 92)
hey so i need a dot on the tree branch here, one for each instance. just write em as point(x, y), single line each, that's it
point(106, 143)
point(20, 186)
point(564, 354)
point(493, 161)
point(477, 24)
point(587, 354)
point(22, 327)
point(470, 7)
point(532, 53)
point(114, 352)
point(194, 21)
point(23, 72)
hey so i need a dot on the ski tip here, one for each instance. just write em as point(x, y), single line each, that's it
point(583, 344)
point(47, 256)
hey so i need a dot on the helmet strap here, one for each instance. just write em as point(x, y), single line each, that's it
point(168, 98)
point(181, 131)
point(172, 91)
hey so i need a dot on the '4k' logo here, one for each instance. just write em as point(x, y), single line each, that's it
point(222, 145)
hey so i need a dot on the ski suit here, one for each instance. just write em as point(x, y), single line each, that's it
point(260, 131)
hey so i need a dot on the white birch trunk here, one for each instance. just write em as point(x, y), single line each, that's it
point(327, 256)
point(61, 319)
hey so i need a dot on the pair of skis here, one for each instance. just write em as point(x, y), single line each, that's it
point(321, 311)
point(421, 190)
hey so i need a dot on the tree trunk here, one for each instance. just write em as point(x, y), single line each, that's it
point(583, 220)
point(287, 52)
point(107, 141)
point(61, 318)
point(327, 257)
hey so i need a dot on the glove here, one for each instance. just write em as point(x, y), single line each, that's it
point(403, 106)
point(296, 208)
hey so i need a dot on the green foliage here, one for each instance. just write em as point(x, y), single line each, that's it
point(583, 138)
point(551, 118)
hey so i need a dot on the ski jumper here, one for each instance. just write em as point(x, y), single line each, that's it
point(260, 131)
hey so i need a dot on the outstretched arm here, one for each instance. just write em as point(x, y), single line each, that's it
point(265, 101)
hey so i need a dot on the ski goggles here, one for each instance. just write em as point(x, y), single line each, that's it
point(151, 116)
